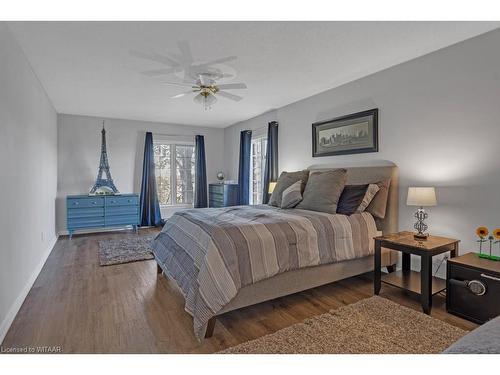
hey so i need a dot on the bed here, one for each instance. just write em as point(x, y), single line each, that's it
point(225, 259)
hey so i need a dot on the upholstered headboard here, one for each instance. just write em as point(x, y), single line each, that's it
point(371, 172)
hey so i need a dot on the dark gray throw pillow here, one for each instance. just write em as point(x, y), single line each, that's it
point(351, 198)
point(286, 180)
point(323, 191)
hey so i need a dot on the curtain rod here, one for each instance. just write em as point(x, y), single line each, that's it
point(263, 127)
point(178, 135)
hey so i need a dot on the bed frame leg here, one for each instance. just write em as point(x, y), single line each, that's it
point(210, 327)
point(391, 268)
point(158, 269)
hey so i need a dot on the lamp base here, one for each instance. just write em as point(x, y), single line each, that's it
point(420, 237)
point(420, 225)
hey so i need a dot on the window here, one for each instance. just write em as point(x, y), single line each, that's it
point(174, 168)
point(257, 168)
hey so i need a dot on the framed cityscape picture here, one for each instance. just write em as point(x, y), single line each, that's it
point(352, 134)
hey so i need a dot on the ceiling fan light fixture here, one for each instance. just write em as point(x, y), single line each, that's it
point(206, 99)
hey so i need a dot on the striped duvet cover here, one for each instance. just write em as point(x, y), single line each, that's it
point(214, 252)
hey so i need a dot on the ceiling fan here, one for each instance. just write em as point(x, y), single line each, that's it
point(201, 77)
point(207, 90)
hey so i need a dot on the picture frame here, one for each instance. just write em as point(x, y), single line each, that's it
point(352, 134)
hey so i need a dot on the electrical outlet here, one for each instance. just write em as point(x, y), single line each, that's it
point(42, 236)
point(438, 263)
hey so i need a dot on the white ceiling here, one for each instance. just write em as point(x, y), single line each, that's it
point(87, 68)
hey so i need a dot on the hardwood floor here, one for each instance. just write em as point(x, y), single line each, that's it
point(128, 308)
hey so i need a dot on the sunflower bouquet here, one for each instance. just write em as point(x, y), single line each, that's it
point(483, 234)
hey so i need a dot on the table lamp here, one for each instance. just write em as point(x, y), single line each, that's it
point(421, 197)
point(272, 185)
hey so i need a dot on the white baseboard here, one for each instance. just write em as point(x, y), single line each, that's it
point(64, 232)
point(14, 309)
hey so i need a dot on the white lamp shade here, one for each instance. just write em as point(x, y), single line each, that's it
point(421, 196)
point(272, 185)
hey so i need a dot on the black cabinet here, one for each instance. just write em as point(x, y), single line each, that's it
point(473, 288)
point(222, 195)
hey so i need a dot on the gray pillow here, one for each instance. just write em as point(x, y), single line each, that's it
point(323, 191)
point(291, 195)
point(371, 191)
point(286, 180)
point(378, 205)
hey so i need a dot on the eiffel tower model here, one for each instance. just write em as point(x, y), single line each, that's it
point(104, 186)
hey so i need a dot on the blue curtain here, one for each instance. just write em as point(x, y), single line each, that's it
point(271, 167)
point(244, 167)
point(150, 207)
point(200, 188)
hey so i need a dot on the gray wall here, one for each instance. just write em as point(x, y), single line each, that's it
point(79, 140)
point(28, 170)
point(439, 122)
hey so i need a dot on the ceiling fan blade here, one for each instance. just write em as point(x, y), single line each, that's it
point(159, 72)
point(219, 61)
point(194, 86)
point(232, 86)
point(181, 94)
point(201, 77)
point(155, 57)
point(226, 75)
point(227, 95)
point(186, 51)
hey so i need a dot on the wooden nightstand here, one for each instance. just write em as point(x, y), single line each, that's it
point(421, 283)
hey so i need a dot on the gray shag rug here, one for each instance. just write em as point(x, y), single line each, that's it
point(125, 250)
point(371, 326)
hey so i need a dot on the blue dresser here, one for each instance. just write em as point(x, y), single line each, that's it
point(101, 211)
point(222, 195)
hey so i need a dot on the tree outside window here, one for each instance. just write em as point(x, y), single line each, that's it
point(257, 168)
point(175, 173)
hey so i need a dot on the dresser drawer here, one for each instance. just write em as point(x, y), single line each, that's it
point(216, 188)
point(216, 197)
point(85, 202)
point(216, 194)
point(122, 220)
point(215, 204)
point(75, 213)
point(122, 210)
point(85, 222)
point(122, 201)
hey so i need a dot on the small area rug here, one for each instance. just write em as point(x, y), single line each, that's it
point(125, 250)
point(373, 325)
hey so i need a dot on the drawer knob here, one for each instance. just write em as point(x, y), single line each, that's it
point(76, 203)
point(130, 200)
point(94, 202)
